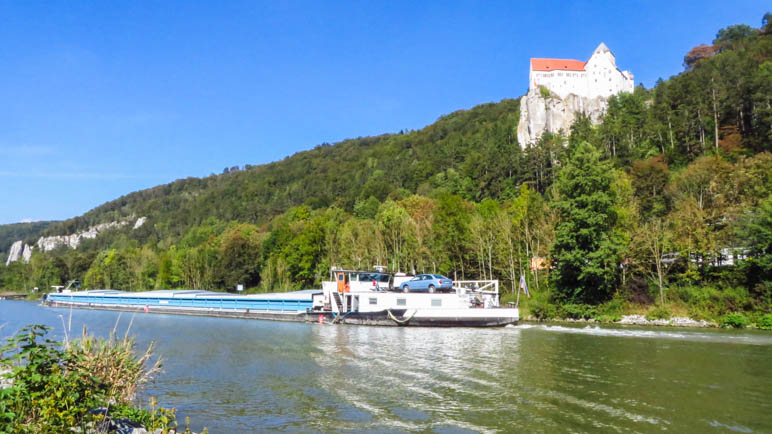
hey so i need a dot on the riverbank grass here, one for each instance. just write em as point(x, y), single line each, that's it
point(79, 384)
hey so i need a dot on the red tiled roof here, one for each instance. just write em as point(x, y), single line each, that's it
point(557, 65)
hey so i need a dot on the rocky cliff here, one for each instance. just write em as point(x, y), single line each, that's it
point(73, 240)
point(541, 112)
point(19, 250)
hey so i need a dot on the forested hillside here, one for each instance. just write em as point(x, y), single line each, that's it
point(666, 203)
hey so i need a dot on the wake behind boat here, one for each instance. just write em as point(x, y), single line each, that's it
point(351, 297)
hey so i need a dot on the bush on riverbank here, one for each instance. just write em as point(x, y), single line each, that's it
point(765, 321)
point(734, 307)
point(733, 320)
point(54, 387)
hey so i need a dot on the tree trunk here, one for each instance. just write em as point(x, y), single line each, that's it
point(715, 113)
point(702, 130)
point(659, 277)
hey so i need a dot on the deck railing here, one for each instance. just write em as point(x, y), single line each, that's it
point(477, 286)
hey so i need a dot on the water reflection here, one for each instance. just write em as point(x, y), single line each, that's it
point(414, 379)
point(245, 376)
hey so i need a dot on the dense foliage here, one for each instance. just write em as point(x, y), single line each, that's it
point(50, 387)
point(585, 254)
point(667, 201)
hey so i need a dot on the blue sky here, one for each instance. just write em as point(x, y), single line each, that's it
point(100, 99)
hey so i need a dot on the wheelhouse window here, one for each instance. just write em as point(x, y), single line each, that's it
point(436, 302)
point(401, 302)
point(373, 300)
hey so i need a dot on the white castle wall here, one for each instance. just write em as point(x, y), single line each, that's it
point(600, 77)
point(571, 93)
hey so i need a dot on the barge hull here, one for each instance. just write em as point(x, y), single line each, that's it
point(403, 318)
point(394, 318)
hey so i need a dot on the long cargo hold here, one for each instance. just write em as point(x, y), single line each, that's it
point(287, 306)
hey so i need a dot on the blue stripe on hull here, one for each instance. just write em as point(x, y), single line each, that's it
point(207, 303)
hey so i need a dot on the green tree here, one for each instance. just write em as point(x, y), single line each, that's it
point(484, 234)
point(756, 232)
point(731, 35)
point(451, 233)
point(396, 226)
point(239, 254)
point(651, 242)
point(585, 254)
point(367, 208)
point(650, 179)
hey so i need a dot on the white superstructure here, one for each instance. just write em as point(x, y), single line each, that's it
point(470, 303)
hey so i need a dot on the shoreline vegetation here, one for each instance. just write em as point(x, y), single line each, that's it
point(84, 384)
point(663, 209)
point(620, 311)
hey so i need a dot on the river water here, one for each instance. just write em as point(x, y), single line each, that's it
point(234, 375)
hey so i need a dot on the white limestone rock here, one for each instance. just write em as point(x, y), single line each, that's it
point(18, 251)
point(73, 240)
point(673, 322)
point(26, 253)
point(22, 251)
point(15, 253)
point(554, 114)
point(140, 221)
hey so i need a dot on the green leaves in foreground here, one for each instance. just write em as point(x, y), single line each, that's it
point(54, 387)
point(45, 396)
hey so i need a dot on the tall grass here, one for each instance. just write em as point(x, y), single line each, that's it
point(115, 362)
point(56, 386)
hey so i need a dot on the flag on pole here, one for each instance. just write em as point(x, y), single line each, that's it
point(524, 286)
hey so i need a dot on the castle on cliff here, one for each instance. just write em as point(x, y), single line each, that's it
point(599, 76)
point(574, 87)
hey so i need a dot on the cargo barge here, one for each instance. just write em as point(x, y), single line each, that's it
point(352, 297)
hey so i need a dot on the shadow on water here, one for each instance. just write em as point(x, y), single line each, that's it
point(245, 375)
